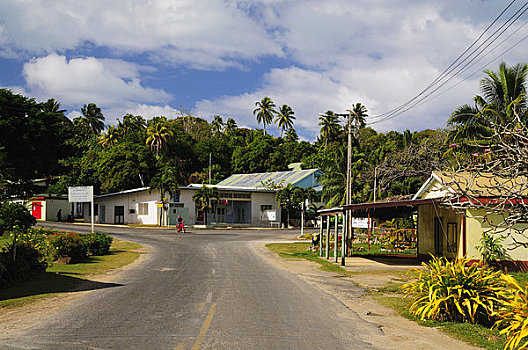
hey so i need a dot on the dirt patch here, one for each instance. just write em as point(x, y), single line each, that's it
point(14, 321)
point(398, 332)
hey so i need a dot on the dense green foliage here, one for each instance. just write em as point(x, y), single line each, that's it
point(15, 214)
point(451, 291)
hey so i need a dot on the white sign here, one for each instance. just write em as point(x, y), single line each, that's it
point(361, 222)
point(80, 194)
point(272, 215)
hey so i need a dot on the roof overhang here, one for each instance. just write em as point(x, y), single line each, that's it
point(363, 209)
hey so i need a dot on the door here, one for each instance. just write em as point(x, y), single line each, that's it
point(438, 236)
point(36, 210)
point(102, 214)
point(119, 214)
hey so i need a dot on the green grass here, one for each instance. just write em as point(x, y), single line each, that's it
point(521, 277)
point(65, 278)
point(300, 251)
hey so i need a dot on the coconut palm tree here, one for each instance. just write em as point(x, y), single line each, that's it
point(131, 123)
point(264, 111)
point(217, 124)
point(110, 138)
point(52, 106)
point(157, 134)
point(503, 97)
point(291, 135)
point(93, 118)
point(202, 199)
point(230, 126)
point(284, 118)
point(358, 113)
point(329, 123)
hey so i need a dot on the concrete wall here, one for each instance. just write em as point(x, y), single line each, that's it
point(258, 199)
point(476, 226)
point(53, 206)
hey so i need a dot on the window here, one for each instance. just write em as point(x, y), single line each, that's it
point(452, 237)
point(242, 195)
point(142, 208)
point(265, 207)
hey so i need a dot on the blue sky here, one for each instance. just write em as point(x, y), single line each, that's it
point(207, 57)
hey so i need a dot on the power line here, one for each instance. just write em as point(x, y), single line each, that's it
point(467, 62)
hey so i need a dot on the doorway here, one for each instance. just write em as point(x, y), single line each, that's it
point(119, 214)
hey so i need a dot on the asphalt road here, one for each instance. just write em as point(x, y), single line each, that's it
point(201, 290)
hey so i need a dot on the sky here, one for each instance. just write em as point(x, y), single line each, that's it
point(219, 57)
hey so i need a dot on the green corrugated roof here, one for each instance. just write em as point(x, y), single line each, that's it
point(294, 177)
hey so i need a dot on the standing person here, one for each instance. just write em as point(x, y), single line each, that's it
point(59, 215)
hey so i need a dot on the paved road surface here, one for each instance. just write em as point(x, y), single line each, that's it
point(201, 290)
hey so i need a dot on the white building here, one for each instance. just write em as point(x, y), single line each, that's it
point(243, 201)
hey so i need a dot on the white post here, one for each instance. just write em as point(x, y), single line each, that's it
point(375, 182)
point(302, 219)
point(92, 205)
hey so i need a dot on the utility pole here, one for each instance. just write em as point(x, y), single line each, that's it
point(375, 181)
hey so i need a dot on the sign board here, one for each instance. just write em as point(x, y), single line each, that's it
point(272, 215)
point(361, 222)
point(80, 194)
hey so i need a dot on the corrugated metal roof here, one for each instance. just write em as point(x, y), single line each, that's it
point(294, 177)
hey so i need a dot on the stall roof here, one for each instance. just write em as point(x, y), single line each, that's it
point(376, 206)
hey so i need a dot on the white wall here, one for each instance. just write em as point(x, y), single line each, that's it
point(53, 206)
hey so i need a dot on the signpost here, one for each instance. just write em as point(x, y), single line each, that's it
point(82, 194)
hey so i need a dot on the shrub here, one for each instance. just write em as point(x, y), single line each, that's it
point(99, 243)
point(513, 315)
point(14, 214)
point(73, 245)
point(30, 260)
point(450, 291)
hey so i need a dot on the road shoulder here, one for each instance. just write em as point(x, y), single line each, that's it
point(398, 332)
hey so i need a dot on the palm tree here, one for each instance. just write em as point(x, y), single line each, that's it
point(329, 123)
point(110, 138)
point(202, 199)
point(503, 97)
point(230, 126)
point(288, 198)
point(285, 118)
point(358, 113)
point(93, 118)
point(264, 111)
point(131, 123)
point(217, 123)
point(165, 181)
point(52, 106)
point(291, 135)
point(157, 135)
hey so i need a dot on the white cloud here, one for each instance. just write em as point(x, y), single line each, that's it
point(212, 33)
point(109, 83)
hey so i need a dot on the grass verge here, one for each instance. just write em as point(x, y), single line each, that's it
point(300, 251)
point(65, 278)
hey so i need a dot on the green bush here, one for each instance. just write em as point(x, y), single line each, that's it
point(99, 243)
point(14, 214)
point(513, 315)
point(73, 245)
point(453, 291)
point(30, 260)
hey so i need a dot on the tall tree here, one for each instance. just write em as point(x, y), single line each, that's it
point(157, 134)
point(329, 123)
point(264, 111)
point(217, 123)
point(110, 138)
point(92, 118)
point(291, 135)
point(230, 126)
point(285, 118)
point(358, 113)
point(503, 96)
